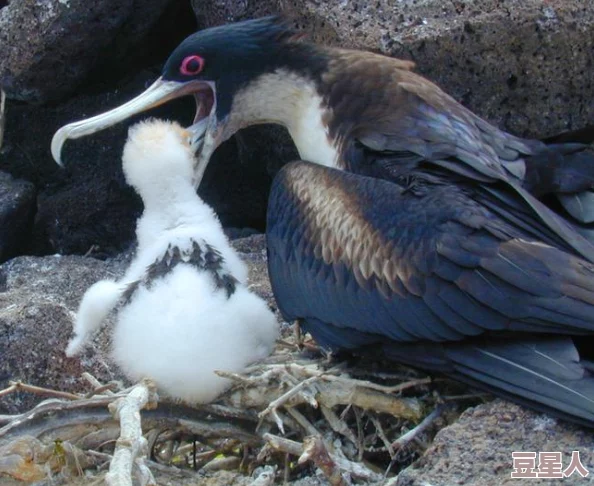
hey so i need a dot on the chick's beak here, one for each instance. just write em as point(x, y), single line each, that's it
point(160, 92)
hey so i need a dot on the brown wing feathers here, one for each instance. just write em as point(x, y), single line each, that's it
point(404, 246)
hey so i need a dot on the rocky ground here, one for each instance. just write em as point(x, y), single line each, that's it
point(526, 66)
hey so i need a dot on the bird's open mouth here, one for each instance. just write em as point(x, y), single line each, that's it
point(205, 114)
point(160, 92)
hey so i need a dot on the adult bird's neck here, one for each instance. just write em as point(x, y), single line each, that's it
point(292, 100)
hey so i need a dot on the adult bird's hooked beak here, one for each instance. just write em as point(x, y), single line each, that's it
point(160, 92)
point(224, 68)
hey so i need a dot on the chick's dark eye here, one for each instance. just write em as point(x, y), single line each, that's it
point(191, 65)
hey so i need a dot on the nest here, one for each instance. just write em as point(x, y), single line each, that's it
point(300, 414)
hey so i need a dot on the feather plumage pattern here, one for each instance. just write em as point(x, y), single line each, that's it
point(431, 276)
point(184, 310)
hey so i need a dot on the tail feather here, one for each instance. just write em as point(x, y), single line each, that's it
point(580, 205)
point(544, 373)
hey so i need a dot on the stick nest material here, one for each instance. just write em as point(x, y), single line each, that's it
point(297, 415)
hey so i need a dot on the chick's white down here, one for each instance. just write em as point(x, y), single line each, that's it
point(181, 327)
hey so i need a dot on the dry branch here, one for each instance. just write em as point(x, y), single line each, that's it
point(315, 387)
point(16, 386)
point(419, 429)
point(131, 446)
point(315, 450)
point(296, 449)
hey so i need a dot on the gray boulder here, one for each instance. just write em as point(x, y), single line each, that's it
point(38, 299)
point(524, 65)
point(49, 47)
point(477, 449)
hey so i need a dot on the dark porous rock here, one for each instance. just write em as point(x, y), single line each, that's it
point(49, 47)
point(17, 206)
point(238, 178)
point(104, 50)
point(39, 297)
point(252, 250)
point(477, 449)
point(525, 65)
point(88, 205)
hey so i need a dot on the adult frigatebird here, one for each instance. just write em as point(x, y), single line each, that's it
point(411, 226)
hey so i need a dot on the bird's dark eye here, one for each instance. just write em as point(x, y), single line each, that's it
point(191, 65)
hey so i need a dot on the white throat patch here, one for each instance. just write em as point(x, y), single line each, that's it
point(290, 100)
point(310, 134)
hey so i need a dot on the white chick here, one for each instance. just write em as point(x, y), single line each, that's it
point(186, 310)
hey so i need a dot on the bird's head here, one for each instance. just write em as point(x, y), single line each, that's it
point(213, 65)
point(158, 154)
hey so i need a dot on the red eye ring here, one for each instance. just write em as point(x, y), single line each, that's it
point(191, 65)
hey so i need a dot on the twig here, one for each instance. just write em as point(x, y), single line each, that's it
point(222, 464)
point(419, 429)
point(6, 419)
point(382, 436)
point(100, 388)
point(94, 382)
point(131, 447)
point(285, 397)
point(369, 399)
point(315, 450)
point(302, 421)
point(296, 449)
point(380, 388)
point(360, 435)
point(171, 470)
point(327, 375)
point(38, 390)
point(106, 389)
point(8, 390)
point(338, 424)
point(297, 334)
point(467, 396)
point(285, 445)
point(100, 455)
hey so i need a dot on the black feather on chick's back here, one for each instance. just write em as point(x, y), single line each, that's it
point(201, 256)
